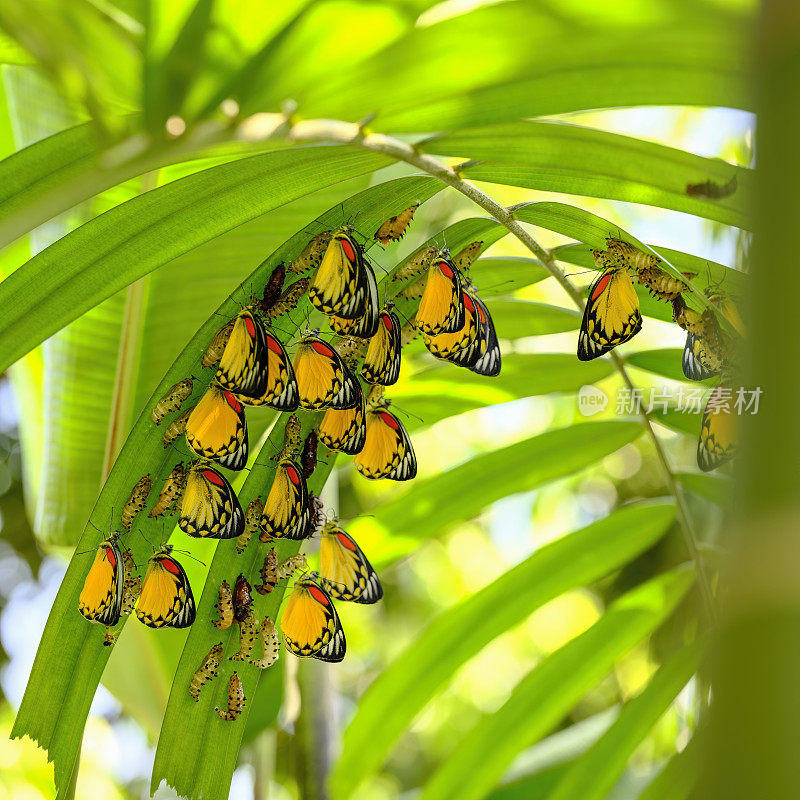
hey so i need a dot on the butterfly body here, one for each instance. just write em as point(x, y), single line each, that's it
point(310, 624)
point(166, 599)
point(209, 507)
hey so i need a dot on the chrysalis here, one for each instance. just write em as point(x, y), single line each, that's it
point(176, 427)
point(242, 599)
point(268, 572)
point(312, 253)
point(308, 458)
point(173, 399)
point(132, 585)
point(252, 519)
point(248, 632)
point(270, 645)
point(289, 299)
point(416, 264)
point(236, 700)
point(395, 227)
point(170, 492)
point(224, 607)
point(217, 346)
point(206, 671)
point(467, 255)
point(135, 503)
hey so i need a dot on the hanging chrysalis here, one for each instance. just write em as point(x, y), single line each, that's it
point(268, 572)
point(252, 519)
point(176, 427)
point(217, 347)
point(308, 458)
point(289, 299)
point(132, 585)
point(206, 671)
point(173, 399)
point(416, 264)
point(248, 633)
point(170, 492)
point(273, 289)
point(224, 607)
point(464, 258)
point(291, 565)
point(395, 227)
point(242, 599)
point(236, 700)
point(135, 503)
point(312, 253)
point(270, 645)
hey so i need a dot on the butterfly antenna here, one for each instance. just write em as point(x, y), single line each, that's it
point(408, 414)
point(187, 553)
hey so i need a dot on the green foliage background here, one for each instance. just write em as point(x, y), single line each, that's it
point(152, 177)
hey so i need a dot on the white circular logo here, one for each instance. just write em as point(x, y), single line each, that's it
point(591, 400)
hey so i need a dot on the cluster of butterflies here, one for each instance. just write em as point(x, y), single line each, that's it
point(612, 317)
point(254, 369)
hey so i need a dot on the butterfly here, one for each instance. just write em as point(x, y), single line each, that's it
point(217, 428)
point(243, 366)
point(441, 307)
point(387, 451)
point(209, 508)
point(280, 390)
point(286, 513)
point(382, 360)
point(323, 379)
point(462, 347)
point(344, 430)
point(718, 430)
point(101, 596)
point(697, 362)
point(166, 599)
point(490, 360)
point(611, 316)
point(346, 574)
point(395, 227)
point(340, 285)
point(310, 624)
point(364, 326)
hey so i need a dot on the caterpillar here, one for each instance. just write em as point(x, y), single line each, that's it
point(132, 585)
point(416, 264)
point(206, 671)
point(224, 607)
point(308, 458)
point(173, 399)
point(312, 253)
point(217, 346)
point(252, 519)
point(135, 503)
point(248, 631)
point(236, 700)
point(176, 427)
point(171, 491)
point(289, 299)
point(242, 599)
point(268, 572)
point(395, 227)
point(270, 645)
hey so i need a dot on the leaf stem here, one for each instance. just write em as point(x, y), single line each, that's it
point(351, 133)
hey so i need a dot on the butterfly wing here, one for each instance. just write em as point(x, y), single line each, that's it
point(281, 386)
point(611, 316)
point(166, 599)
point(339, 285)
point(490, 361)
point(217, 428)
point(441, 307)
point(243, 366)
point(382, 360)
point(718, 432)
point(387, 451)
point(344, 430)
point(345, 572)
point(323, 380)
point(366, 325)
point(693, 364)
point(310, 624)
point(462, 347)
point(210, 508)
point(286, 514)
point(101, 596)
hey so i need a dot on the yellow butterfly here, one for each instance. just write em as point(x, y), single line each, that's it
point(611, 316)
point(490, 361)
point(243, 366)
point(718, 430)
point(697, 362)
point(387, 451)
point(382, 360)
point(441, 307)
point(364, 326)
point(323, 379)
point(166, 599)
point(286, 512)
point(344, 430)
point(339, 285)
point(280, 390)
point(209, 508)
point(217, 428)
point(310, 624)
point(462, 347)
point(101, 596)
point(346, 574)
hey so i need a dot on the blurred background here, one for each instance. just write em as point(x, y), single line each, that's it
point(55, 446)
